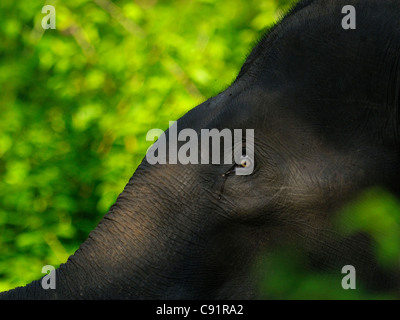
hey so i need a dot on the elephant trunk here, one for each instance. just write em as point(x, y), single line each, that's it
point(149, 245)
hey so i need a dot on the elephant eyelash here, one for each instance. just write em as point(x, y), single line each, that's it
point(244, 163)
point(227, 173)
point(230, 171)
point(224, 176)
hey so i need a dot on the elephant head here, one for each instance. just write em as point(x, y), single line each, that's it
point(323, 103)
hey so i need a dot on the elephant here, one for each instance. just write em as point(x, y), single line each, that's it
point(323, 101)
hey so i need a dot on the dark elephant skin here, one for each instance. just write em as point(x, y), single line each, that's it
point(324, 105)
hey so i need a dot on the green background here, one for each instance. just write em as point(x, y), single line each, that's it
point(76, 103)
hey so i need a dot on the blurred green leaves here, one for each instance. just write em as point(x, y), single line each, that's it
point(377, 213)
point(77, 101)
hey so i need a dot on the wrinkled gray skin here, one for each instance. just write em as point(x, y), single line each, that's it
point(324, 105)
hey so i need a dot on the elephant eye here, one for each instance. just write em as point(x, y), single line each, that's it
point(245, 162)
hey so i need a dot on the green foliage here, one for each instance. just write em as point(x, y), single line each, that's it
point(376, 213)
point(77, 101)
